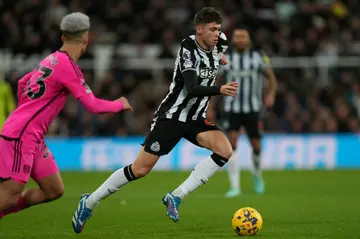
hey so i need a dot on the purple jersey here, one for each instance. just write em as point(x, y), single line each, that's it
point(44, 94)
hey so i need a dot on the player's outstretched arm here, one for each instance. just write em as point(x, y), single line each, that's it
point(82, 92)
point(229, 89)
point(99, 106)
point(196, 90)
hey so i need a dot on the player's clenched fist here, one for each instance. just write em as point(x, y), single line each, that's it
point(126, 103)
point(229, 89)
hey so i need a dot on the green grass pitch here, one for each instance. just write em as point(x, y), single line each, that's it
point(297, 204)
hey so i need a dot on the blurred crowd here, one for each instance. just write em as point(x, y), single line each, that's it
point(283, 28)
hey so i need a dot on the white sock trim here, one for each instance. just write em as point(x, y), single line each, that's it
point(234, 171)
point(199, 176)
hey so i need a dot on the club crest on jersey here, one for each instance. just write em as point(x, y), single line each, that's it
point(155, 147)
point(207, 73)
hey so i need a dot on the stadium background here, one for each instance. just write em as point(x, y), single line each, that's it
point(314, 48)
point(313, 45)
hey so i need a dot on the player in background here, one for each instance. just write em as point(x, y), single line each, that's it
point(182, 114)
point(247, 67)
point(23, 152)
point(7, 104)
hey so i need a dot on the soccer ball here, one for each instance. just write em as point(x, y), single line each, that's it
point(246, 221)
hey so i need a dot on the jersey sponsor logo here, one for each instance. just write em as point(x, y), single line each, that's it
point(207, 73)
point(155, 147)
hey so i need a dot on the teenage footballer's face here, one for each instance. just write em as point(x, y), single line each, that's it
point(209, 33)
point(241, 39)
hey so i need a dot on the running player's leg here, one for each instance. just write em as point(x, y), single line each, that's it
point(165, 134)
point(50, 188)
point(15, 168)
point(141, 167)
point(206, 135)
point(46, 174)
point(10, 191)
point(253, 128)
point(233, 126)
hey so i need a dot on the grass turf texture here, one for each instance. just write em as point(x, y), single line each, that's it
point(297, 204)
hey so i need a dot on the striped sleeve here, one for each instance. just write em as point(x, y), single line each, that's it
point(222, 43)
point(187, 56)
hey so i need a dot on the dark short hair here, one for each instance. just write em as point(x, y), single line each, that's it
point(207, 15)
point(241, 27)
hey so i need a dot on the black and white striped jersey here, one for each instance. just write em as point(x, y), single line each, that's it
point(177, 104)
point(246, 68)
